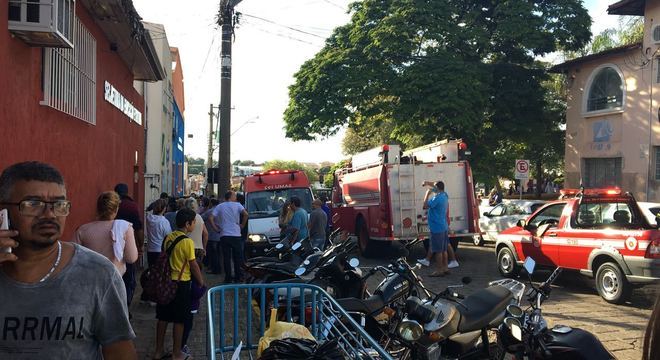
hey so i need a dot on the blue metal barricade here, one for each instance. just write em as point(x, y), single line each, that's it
point(237, 314)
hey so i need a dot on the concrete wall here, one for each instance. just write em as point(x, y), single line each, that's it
point(92, 158)
point(630, 126)
point(159, 121)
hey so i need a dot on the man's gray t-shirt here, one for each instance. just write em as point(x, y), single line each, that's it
point(318, 221)
point(69, 316)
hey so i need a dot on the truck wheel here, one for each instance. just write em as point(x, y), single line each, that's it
point(506, 263)
point(478, 240)
point(612, 284)
point(364, 243)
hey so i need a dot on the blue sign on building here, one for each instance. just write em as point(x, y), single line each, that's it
point(178, 133)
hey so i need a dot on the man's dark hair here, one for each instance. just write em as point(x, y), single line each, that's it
point(214, 202)
point(228, 195)
point(295, 201)
point(324, 199)
point(240, 198)
point(184, 216)
point(121, 189)
point(440, 185)
point(164, 195)
point(27, 171)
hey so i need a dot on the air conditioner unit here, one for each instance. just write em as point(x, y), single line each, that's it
point(43, 23)
point(656, 34)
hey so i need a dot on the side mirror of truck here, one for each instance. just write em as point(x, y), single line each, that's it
point(522, 223)
point(486, 213)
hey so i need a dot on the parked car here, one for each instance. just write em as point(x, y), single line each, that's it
point(503, 216)
point(650, 210)
point(601, 233)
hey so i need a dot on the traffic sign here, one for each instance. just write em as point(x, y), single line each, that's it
point(522, 169)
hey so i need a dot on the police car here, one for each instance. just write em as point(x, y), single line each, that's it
point(602, 233)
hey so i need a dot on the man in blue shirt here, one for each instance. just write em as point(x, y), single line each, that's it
point(437, 202)
point(298, 221)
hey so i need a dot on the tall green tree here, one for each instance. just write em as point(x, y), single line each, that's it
point(438, 69)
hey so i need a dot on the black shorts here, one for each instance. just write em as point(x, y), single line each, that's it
point(178, 310)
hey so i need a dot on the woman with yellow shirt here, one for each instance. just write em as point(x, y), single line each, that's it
point(184, 268)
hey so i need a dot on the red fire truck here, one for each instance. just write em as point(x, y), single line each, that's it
point(265, 193)
point(379, 197)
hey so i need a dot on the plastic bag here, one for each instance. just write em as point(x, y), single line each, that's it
point(281, 330)
point(303, 349)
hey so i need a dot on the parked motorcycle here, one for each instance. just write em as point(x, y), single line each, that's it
point(525, 334)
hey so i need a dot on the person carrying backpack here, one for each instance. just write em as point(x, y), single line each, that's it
point(181, 257)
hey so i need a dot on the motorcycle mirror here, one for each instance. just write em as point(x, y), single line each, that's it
point(306, 262)
point(529, 265)
point(354, 262)
point(296, 246)
point(279, 246)
point(300, 271)
point(466, 280)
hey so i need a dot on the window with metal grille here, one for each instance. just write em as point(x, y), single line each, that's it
point(70, 76)
point(601, 172)
point(606, 90)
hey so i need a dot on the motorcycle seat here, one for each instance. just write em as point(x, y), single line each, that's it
point(365, 306)
point(288, 267)
point(480, 308)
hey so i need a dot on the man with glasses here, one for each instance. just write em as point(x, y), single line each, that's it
point(58, 300)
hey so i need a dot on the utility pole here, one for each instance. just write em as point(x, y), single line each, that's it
point(209, 163)
point(227, 21)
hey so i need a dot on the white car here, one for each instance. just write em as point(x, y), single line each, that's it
point(650, 210)
point(504, 216)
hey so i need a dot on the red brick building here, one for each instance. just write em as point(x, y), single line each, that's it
point(76, 107)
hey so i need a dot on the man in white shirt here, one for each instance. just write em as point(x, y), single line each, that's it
point(230, 214)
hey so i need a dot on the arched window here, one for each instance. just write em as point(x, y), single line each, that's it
point(605, 90)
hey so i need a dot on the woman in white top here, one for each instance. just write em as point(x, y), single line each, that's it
point(199, 235)
point(157, 227)
point(111, 238)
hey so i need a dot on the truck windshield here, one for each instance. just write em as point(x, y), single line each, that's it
point(269, 203)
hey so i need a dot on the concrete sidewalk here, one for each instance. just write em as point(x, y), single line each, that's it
point(144, 325)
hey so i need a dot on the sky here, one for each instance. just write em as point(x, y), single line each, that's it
point(273, 40)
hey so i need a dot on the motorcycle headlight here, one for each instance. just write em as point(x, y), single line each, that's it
point(257, 237)
point(410, 330)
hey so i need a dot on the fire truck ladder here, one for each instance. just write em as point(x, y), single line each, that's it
point(407, 194)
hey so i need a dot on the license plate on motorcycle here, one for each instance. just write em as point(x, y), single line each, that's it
point(423, 229)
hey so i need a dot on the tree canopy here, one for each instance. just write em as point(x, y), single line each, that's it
point(292, 165)
point(416, 71)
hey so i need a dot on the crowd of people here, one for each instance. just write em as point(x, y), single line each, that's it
point(70, 299)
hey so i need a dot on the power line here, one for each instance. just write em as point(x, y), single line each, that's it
point(333, 4)
point(284, 26)
point(280, 34)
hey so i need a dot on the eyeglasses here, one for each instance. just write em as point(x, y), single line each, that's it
point(38, 207)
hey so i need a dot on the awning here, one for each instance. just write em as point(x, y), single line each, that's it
point(124, 30)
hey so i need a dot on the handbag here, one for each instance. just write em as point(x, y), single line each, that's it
point(157, 282)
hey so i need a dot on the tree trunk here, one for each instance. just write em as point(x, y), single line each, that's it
point(539, 179)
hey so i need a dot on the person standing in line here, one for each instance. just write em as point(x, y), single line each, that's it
point(233, 218)
point(184, 267)
point(328, 214)
point(111, 238)
point(284, 219)
point(199, 234)
point(163, 195)
point(129, 211)
point(174, 206)
point(157, 229)
point(47, 281)
point(437, 202)
point(214, 252)
point(318, 220)
point(298, 221)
